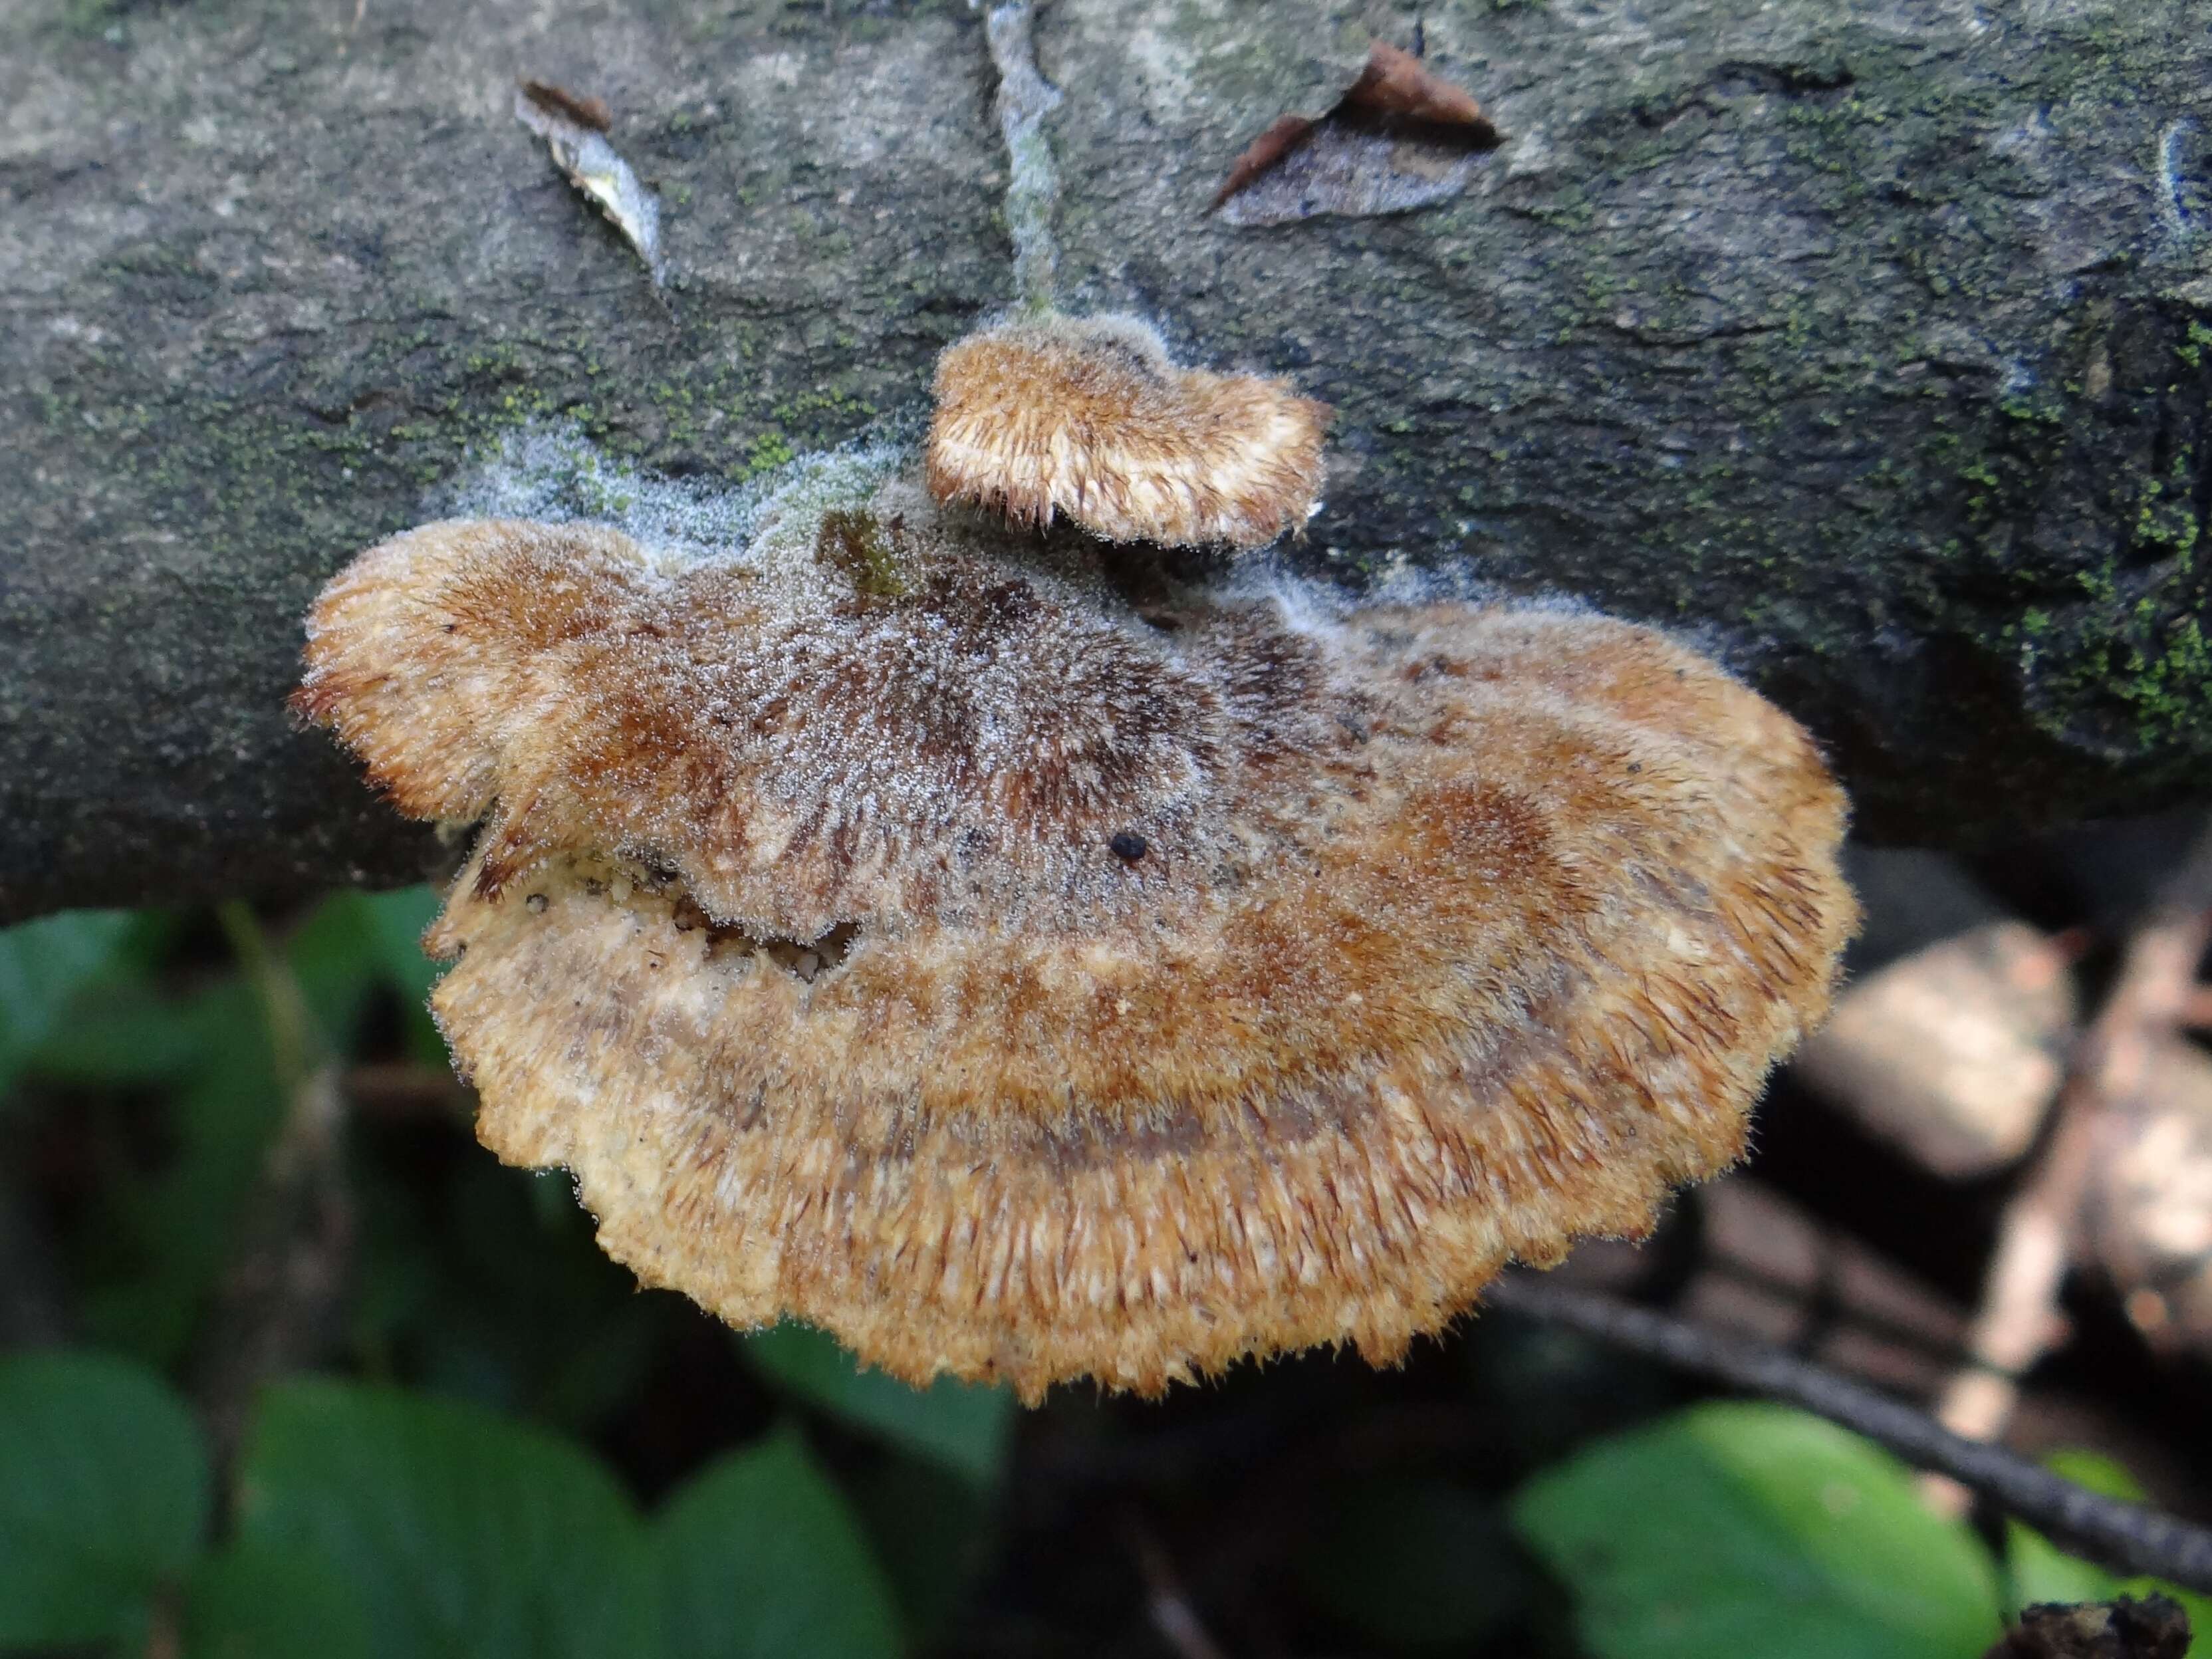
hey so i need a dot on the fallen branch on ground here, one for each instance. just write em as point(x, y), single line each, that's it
point(2124, 1537)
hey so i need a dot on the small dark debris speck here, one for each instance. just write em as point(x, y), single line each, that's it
point(536, 903)
point(1128, 847)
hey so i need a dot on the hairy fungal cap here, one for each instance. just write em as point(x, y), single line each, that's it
point(1087, 419)
point(1027, 976)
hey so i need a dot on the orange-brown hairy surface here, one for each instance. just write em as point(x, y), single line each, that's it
point(925, 940)
point(1087, 419)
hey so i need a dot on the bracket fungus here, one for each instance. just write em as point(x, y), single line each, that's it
point(1088, 419)
point(1028, 968)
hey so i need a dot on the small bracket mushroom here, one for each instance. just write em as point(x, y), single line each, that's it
point(1088, 419)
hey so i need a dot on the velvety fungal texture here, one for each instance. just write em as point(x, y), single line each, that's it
point(1087, 419)
point(1029, 969)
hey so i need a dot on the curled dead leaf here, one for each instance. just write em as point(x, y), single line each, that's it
point(585, 112)
point(1284, 134)
point(1396, 86)
point(1402, 137)
point(574, 129)
point(1954, 1052)
point(2148, 1212)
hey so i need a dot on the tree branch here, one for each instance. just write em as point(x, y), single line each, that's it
point(1850, 334)
point(2127, 1538)
point(276, 1307)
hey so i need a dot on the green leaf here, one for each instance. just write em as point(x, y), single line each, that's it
point(163, 1237)
point(130, 1034)
point(964, 1428)
point(43, 964)
point(272, 1602)
point(1415, 1562)
point(103, 1496)
point(463, 1535)
point(163, 1234)
point(171, 1183)
point(760, 1558)
point(397, 922)
point(354, 942)
point(334, 957)
point(2037, 1570)
point(485, 1282)
point(934, 1530)
point(1755, 1529)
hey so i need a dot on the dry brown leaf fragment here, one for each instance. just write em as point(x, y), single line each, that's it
point(1088, 419)
point(586, 111)
point(1400, 137)
point(2129, 1627)
point(892, 927)
point(1955, 1052)
point(2148, 1210)
point(575, 130)
point(1284, 134)
point(1395, 86)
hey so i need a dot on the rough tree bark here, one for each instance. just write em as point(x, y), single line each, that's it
point(1864, 339)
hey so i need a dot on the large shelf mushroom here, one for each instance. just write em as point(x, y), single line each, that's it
point(905, 927)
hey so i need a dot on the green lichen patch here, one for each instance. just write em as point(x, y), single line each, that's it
point(855, 543)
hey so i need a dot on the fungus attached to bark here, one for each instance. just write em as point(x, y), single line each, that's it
point(893, 927)
point(1052, 417)
point(1088, 419)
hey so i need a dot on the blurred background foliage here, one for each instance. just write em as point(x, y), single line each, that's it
point(291, 1366)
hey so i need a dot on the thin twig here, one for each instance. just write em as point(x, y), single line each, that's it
point(274, 1307)
point(34, 1310)
point(2020, 1321)
point(2127, 1538)
point(1171, 1612)
point(401, 1090)
point(283, 1005)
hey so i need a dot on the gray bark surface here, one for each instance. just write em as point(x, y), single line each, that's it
point(1869, 341)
